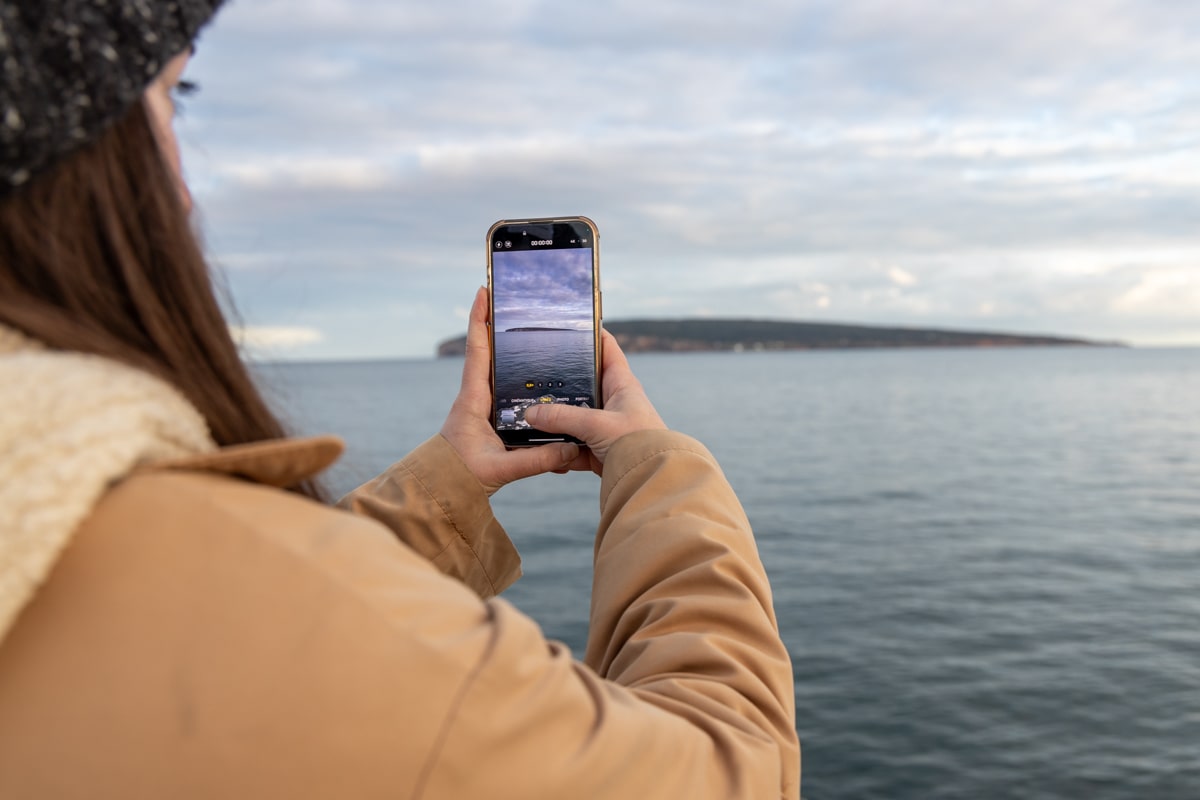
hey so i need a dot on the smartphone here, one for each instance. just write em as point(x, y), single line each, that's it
point(544, 293)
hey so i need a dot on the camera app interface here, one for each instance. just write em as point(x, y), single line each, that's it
point(542, 325)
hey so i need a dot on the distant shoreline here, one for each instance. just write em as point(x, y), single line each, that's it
point(533, 330)
point(750, 335)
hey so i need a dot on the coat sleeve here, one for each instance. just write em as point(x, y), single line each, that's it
point(687, 687)
point(432, 503)
point(208, 637)
point(680, 591)
point(686, 683)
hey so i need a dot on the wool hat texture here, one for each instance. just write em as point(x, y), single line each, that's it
point(71, 68)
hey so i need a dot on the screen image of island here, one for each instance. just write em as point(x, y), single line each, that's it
point(543, 331)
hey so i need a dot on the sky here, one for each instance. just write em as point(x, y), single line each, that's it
point(542, 289)
point(1013, 166)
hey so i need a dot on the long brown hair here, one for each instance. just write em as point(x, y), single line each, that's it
point(97, 255)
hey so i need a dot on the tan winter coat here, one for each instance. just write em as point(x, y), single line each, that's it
point(204, 634)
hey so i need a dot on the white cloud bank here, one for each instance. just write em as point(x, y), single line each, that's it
point(267, 342)
point(1016, 165)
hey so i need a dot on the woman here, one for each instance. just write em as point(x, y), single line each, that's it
point(180, 615)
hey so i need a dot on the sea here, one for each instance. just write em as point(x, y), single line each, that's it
point(985, 562)
point(538, 363)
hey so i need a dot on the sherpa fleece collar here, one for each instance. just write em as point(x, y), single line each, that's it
point(70, 425)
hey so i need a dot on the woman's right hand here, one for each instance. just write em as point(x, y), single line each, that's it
point(626, 409)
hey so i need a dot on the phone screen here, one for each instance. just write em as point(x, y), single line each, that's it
point(545, 314)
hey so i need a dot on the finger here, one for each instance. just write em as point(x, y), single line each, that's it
point(476, 365)
point(527, 462)
point(617, 374)
point(581, 463)
point(561, 418)
point(584, 462)
point(611, 353)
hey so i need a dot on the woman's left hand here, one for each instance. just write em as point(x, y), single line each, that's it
point(468, 426)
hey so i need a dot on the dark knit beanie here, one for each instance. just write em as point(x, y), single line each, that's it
point(70, 68)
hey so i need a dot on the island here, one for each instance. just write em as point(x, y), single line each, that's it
point(533, 330)
point(757, 335)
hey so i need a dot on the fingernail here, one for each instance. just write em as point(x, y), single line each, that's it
point(568, 452)
point(532, 413)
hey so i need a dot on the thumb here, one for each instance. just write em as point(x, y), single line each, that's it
point(560, 418)
point(529, 461)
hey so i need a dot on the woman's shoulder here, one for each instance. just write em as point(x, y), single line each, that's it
point(195, 612)
point(235, 517)
point(276, 462)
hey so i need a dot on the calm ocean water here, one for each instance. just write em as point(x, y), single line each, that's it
point(986, 562)
point(557, 363)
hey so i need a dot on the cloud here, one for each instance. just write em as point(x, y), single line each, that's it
point(322, 173)
point(905, 163)
point(1172, 291)
point(542, 288)
point(901, 277)
point(267, 341)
